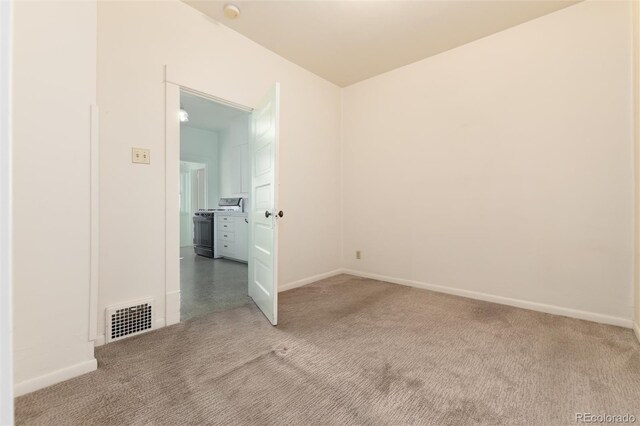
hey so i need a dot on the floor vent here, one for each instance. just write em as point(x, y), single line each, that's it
point(129, 320)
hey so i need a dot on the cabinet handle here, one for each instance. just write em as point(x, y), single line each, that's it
point(246, 220)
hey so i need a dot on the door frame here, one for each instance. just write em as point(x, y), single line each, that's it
point(206, 173)
point(206, 189)
point(174, 82)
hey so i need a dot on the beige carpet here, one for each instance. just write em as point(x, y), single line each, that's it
point(355, 351)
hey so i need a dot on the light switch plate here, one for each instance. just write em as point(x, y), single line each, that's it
point(140, 156)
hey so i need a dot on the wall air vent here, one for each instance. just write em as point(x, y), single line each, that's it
point(129, 319)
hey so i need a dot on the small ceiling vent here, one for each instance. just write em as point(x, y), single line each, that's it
point(129, 320)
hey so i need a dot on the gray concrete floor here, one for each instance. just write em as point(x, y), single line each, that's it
point(210, 285)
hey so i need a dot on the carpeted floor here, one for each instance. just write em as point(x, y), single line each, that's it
point(355, 351)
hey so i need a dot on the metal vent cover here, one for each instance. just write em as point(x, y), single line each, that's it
point(129, 319)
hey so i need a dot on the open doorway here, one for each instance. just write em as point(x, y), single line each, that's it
point(250, 175)
point(214, 205)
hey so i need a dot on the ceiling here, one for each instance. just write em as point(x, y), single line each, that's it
point(347, 41)
point(206, 114)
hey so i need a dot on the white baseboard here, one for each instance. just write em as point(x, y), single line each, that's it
point(54, 377)
point(172, 307)
point(310, 280)
point(100, 339)
point(519, 303)
point(636, 330)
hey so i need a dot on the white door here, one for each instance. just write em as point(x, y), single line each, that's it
point(263, 247)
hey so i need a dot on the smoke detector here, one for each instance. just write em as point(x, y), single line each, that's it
point(231, 11)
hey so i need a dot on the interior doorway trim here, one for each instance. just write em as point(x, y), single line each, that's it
point(94, 245)
point(215, 99)
point(173, 85)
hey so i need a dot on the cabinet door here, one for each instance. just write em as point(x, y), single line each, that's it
point(244, 168)
point(242, 238)
point(226, 248)
point(236, 169)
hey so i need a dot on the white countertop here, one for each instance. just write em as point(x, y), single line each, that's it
point(232, 213)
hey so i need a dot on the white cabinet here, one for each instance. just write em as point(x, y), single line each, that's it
point(233, 236)
point(242, 238)
point(235, 169)
point(245, 169)
point(233, 156)
point(238, 170)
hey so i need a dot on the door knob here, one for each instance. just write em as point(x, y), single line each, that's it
point(267, 213)
point(280, 213)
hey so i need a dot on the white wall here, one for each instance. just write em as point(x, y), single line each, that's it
point(502, 167)
point(201, 146)
point(54, 84)
point(6, 334)
point(223, 63)
point(234, 161)
point(636, 115)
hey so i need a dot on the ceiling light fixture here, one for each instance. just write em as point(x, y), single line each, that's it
point(231, 11)
point(184, 115)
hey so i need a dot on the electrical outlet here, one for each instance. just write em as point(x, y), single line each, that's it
point(140, 156)
point(358, 254)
